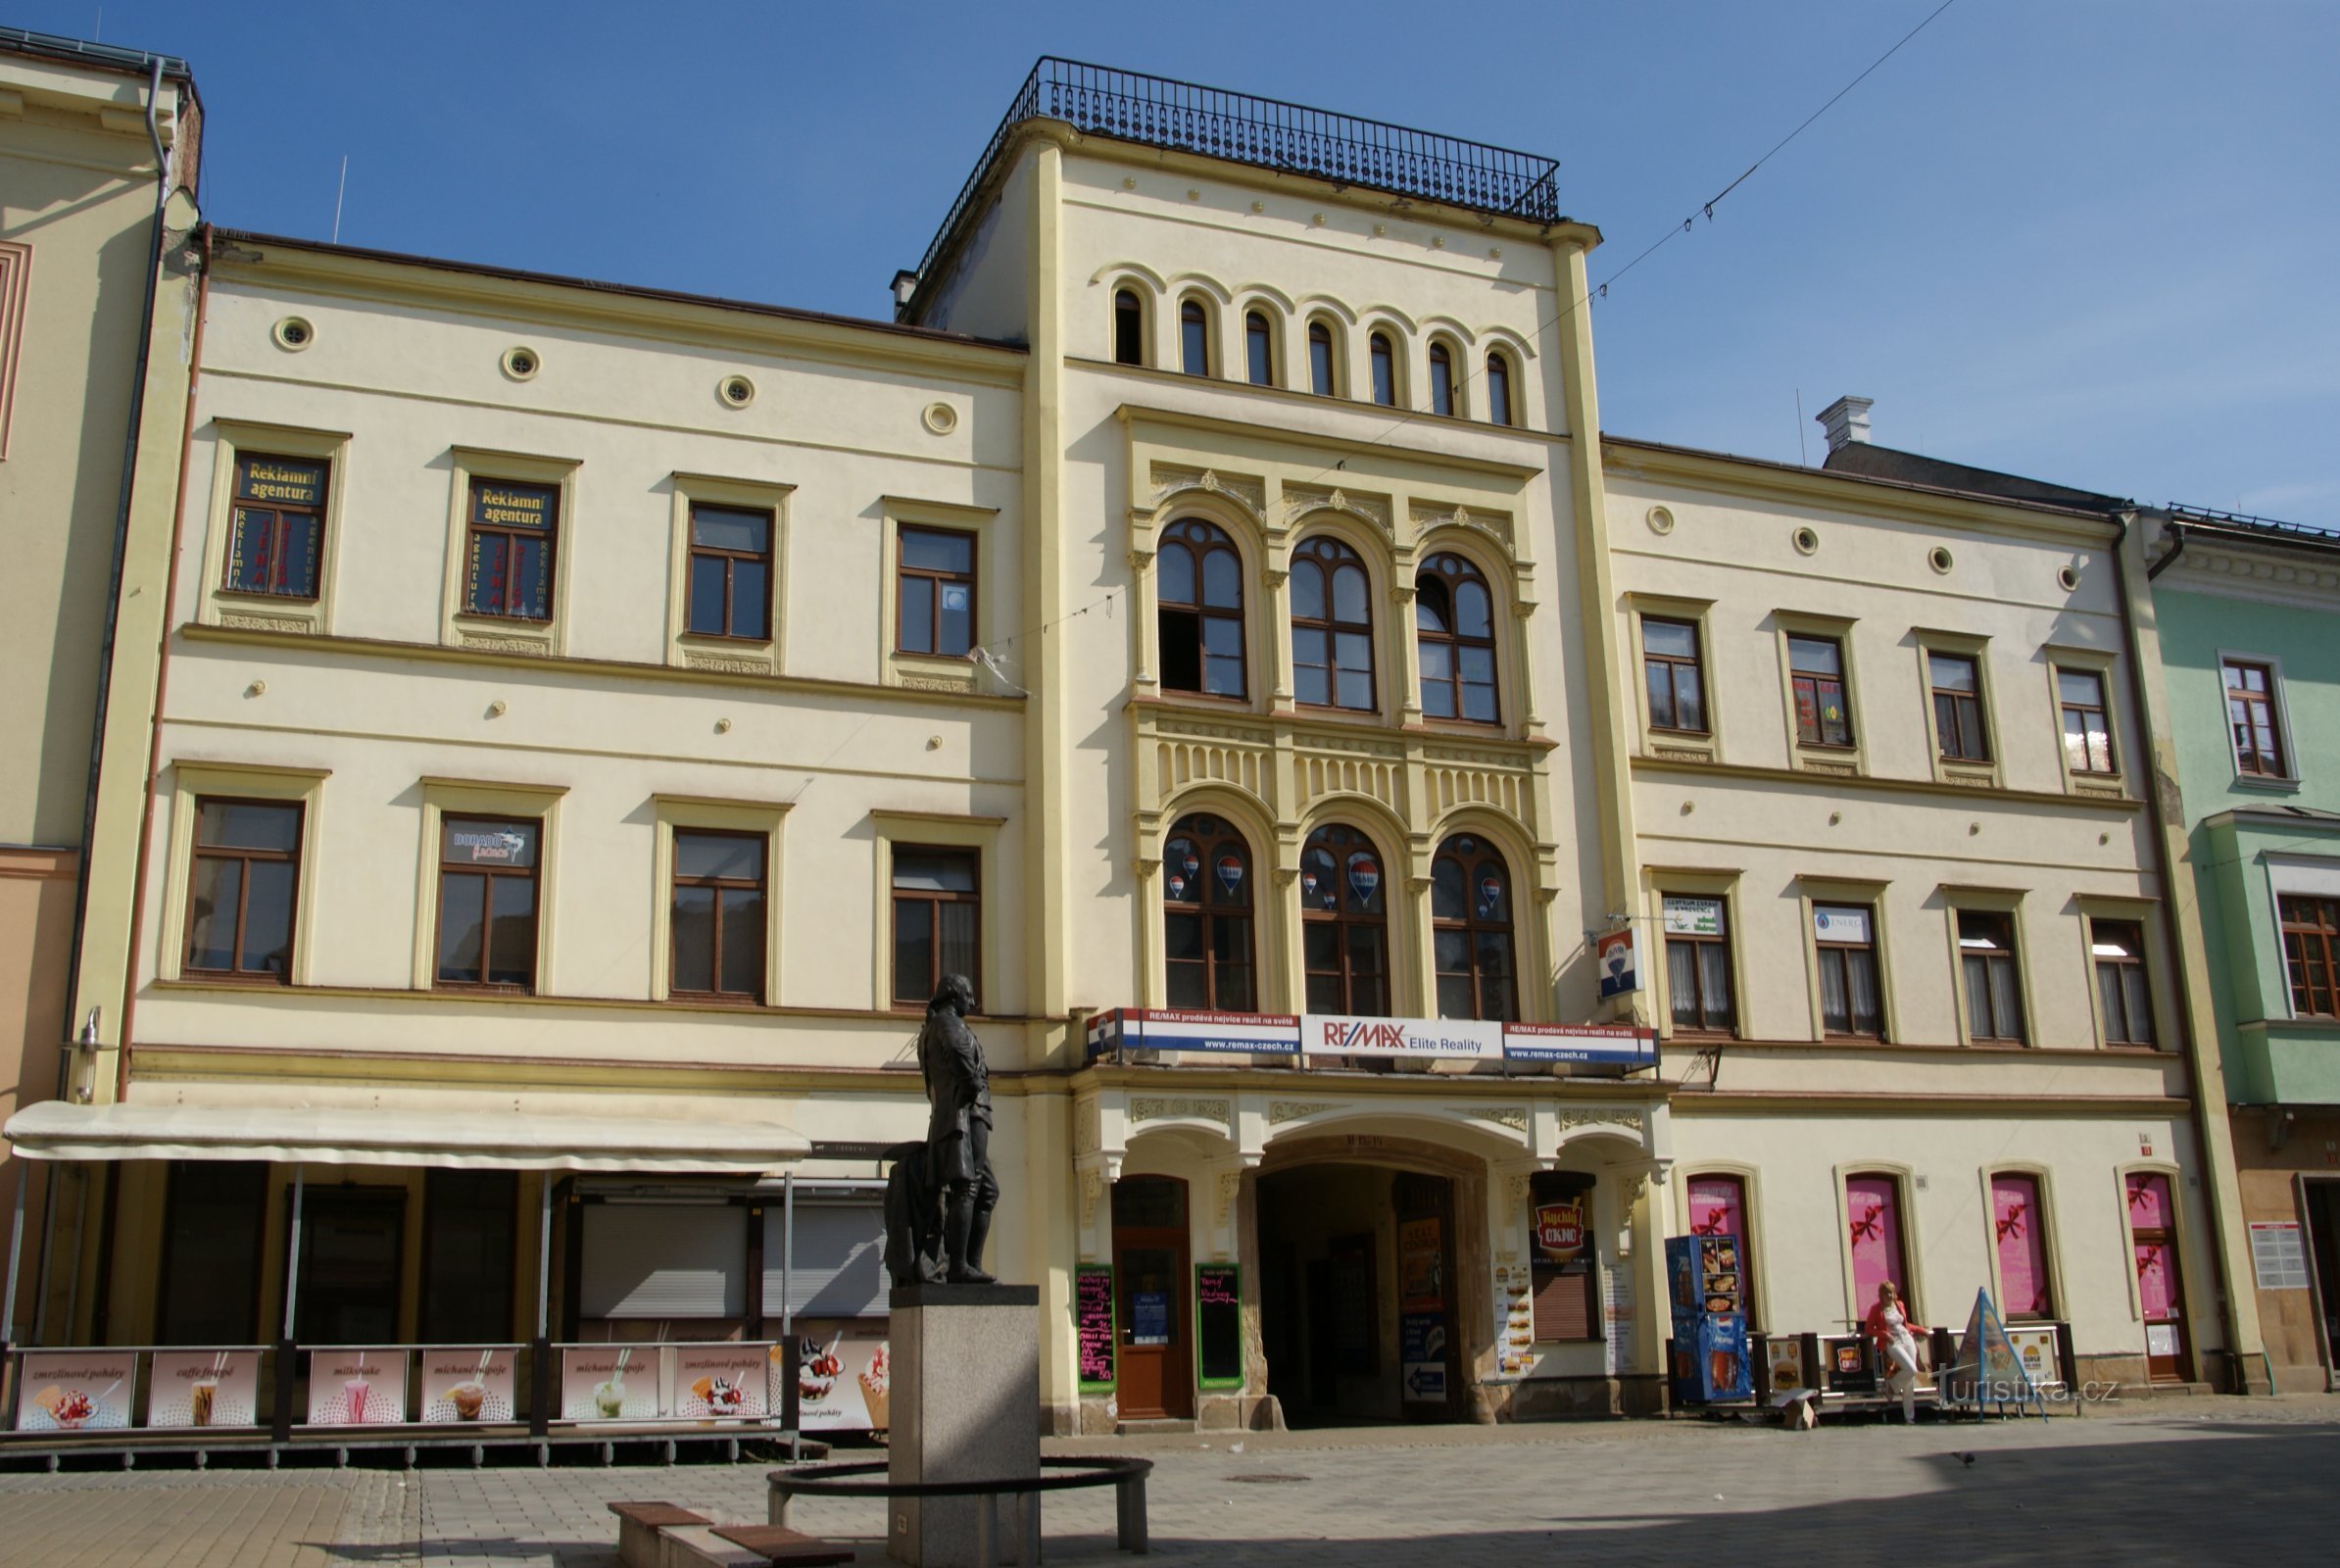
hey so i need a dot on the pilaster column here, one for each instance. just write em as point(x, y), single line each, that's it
point(1275, 635)
point(1405, 668)
point(1142, 610)
point(1152, 978)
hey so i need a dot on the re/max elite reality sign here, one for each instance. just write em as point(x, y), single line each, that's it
point(1337, 1035)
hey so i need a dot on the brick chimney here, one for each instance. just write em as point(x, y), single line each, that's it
point(1846, 419)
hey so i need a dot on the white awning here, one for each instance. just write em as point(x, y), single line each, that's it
point(475, 1140)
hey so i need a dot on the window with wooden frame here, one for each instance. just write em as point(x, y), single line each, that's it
point(1129, 327)
point(1471, 930)
point(1194, 338)
point(242, 889)
point(1198, 618)
point(1385, 369)
point(276, 526)
point(1331, 626)
point(936, 610)
point(1699, 992)
point(2312, 953)
point(731, 572)
point(1815, 673)
point(2252, 719)
point(1259, 349)
point(1669, 665)
point(1956, 684)
point(716, 925)
point(1207, 922)
point(1565, 1304)
point(1442, 379)
point(1345, 924)
point(1454, 634)
point(1994, 988)
point(1323, 372)
point(511, 533)
point(938, 920)
point(487, 902)
point(2088, 724)
point(1844, 941)
point(1499, 388)
point(2117, 949)
point(2018, 1234)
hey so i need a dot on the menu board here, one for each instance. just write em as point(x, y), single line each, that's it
point(465, 1385)
point(1218, 1326)
point(74, 1390)
point(203, 1388)
point(1092, 1324)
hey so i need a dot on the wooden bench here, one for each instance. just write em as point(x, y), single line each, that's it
point(659, 1535)
point(785, 1547)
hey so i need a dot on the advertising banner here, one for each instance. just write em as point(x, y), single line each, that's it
point(1613, 958)
point(844, 1374)
point(1421, 1266)
point(352, 1388)
point(1515, 1317)
point(1607, 1043)
point(2035, 1348)
point(1173, 1029)
point(1694, 917)
point(1422, 1356)
point(1325, 1034)
point(721, 1382)
point(203, 1388)
point(74, 1390)
point(1560, 1230)
point(610, 1383)
point(465, 1385)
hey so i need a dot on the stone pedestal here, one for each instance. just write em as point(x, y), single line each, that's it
point(966, 1408)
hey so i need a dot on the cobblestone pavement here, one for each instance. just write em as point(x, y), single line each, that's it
point(2166, 1482)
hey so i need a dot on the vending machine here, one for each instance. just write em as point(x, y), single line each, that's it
point(1710, 1320)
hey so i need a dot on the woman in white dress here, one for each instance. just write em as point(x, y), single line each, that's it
point(1895, 1338)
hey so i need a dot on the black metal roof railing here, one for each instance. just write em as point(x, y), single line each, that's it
point(100, 54)
point(2238, 519)
point(1157, 112)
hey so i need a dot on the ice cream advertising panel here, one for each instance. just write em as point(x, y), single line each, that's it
point(844, 1377)
point(462, 1385)
point(720, 1381)
point(349, 1388)
point(203, 1388)
point(74, 1390)
point(610, 1383)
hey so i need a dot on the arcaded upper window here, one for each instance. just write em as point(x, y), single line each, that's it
point(1331, 626)
point(1498, 389)
point(1385, 370)
point(1194, 338)
point(1259, 349)
point(1442, 379)
point(1206, 915)
point(1454, 628)
point(1345, 924)
point(1470, 916)
point(1199, 579)
point(1129, 328)
point(1321, 377)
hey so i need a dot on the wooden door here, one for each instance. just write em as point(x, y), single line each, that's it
point(1155, 1379)
point(2161, 1287)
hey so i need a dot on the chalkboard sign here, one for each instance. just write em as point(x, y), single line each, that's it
point(1093, 1325)
point(1218, 1326)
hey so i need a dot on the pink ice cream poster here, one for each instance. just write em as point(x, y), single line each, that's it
point(357, 1387)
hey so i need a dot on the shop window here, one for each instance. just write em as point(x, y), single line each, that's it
point(1129, 328)
point(1470, 916)
point(1873, 1212)
point(2087, 731)
point(214, 1216)
point(1564, 1271)
point(731, 572)
point(1331, 626)
point(1442, 379)
point(1454, 631)
point(1199, 616)
point(1194, 338)
point(1956, 683)
point(487, 902)
point(1816, 668)
point(1259, 349)
point(1322, 379)
point(1671, 668)
point(1699, 977)
point(513, 532)
point(2311, 954)
point(1499, 388)
point(353, 1245)
point(1206, 916)
point(2252, 719)
point(717, 923)
point(1345, 924)
point(1385, 369)
point(2118, 949)
point(936, 610)
point(277, 527)
point(242, 888)
point(1844, 939)
point(2018, 1230)
point(1994, 989)
point(468, 1230)
point(938, 920)
point(2161, 1292)
point(1718, 1207)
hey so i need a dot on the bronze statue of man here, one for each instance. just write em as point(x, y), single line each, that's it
point(958, 1128)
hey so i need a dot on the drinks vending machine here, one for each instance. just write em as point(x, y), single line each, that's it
point(1709, 1321)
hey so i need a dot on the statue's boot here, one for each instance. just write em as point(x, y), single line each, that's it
point(958, 1221)
point(979, 1230)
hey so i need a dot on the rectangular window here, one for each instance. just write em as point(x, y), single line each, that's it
point(2250, 715)
point(1872, 1213)
point(2088, 732)
point(277, 527)
point(2311, 950)
point(1698, 966)
point(2118, 947)
point(937, 920)
point(1845, 937)
point(2019, 1230)
point(210, 1290)
point(241, 889)
point(511, 539)
point(1676, 688)
point(467, 1254)
point(731, 572)
point(1816, 667)
point(1994, 991)
point(936, 612)
point(717, 921)
point(1957, 708)
point(487, 902)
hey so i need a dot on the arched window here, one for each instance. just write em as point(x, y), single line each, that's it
point(1260, 347)
point(1331, 626)
point(1321, 380)
point(1498, 389)
point(1455, 626)
point(1200, 619)
point(1442, 379)
point(1345, 922)
point(1194, 338)
point(1469, 919)
point(1385, 370)
point(1206, 916)
point(1129, 328)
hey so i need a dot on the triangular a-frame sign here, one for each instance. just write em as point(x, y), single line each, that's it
point(1988, 1371)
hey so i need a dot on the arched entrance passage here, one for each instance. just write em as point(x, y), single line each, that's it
point(1373, 1271)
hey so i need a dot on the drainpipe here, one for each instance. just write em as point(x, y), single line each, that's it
point(2177, 549)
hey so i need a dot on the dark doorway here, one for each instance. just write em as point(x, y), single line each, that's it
point(468, 1220)
point(2320, 1199)
point(1157, 1374)
point(212, 1228)
point(352, 1239)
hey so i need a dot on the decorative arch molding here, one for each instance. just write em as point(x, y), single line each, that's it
point(1172, 486)
point(1302, 503)
point(1310, 304)
point(1373, 316)
point(1435, 1142)
point(1265, 294)
point(1486, 537)
point(1182, 283)
point(1118, 272)
point(1506, 337)
point(1379, 821)
point(1435, 327)
point(1246, 808)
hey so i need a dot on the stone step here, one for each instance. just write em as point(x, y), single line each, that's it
point(699, 1546)
point(1173, 1426)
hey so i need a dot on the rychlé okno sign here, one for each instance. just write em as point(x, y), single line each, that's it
point(1560, 1230)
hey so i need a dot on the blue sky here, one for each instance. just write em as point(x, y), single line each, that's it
point(2085, 240)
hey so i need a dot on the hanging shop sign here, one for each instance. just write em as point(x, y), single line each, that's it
point(1606, 1044)
point(1694, 917)
point(1174, 1029)
point(74, 1390)
point(1452, 1039)
point(1613, 956)
point(1560, 1230)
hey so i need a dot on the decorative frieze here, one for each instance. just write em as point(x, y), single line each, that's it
point(1164, 1107)
point(1283, 1111)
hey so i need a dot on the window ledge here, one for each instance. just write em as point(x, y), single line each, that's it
point(933, 672)
point(1970, 775)
point(2269, 782)
point(1681, 746)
